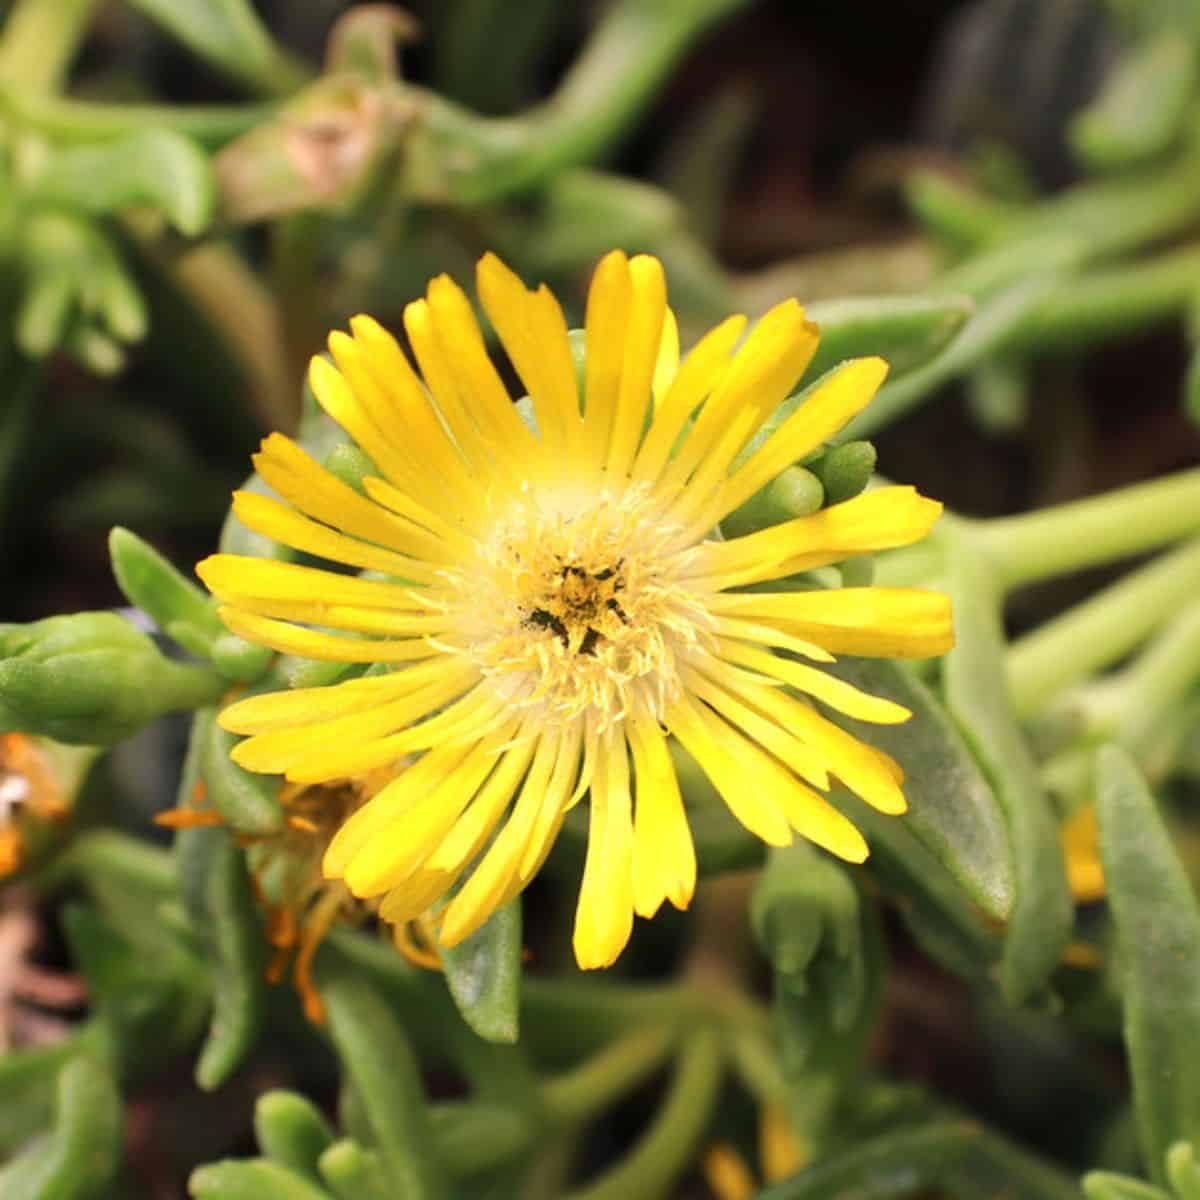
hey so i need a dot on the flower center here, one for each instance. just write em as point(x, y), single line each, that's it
point(579, 608)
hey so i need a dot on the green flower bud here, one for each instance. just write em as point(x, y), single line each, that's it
point(845, 470)
point(92, 679)
point(796, 492)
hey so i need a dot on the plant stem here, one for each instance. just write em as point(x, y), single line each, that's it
point(618, 74)
point(1085, 533)
point(1159, 680)
point(607, 1075)
point(670, 1143)
point(77, 120)
point(1100, 631)
point(39, 41)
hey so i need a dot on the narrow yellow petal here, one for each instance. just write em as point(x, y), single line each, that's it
point(874, 621)
point(664, 858)
point(534, 333)
point(667, 363)
point(400, 846)
point(278, 751)
point(605, 330)
point(749, 782)
point(702, 370)
point(876, 520)
point(267, 579)
point(283, 524)
point(415, 781)
point(338, 399)
point(479, 382)
point(604, 915)
point(842, 394)
point(830, 690)
point(299, 706)
point(490, 881)
point(763, 371)
point(310, 643)
point(643, 341)
point(303, 482)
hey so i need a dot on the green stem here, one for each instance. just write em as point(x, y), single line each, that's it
point(609, 1074)
point(1118, 300)
point(1085, 533)
point(39, 41)
point(618, 74)
point(70, 120)
point(670, 1143)
point(1161, 678)
point(1100, 631)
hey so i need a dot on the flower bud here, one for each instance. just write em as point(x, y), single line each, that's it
point(92, 679)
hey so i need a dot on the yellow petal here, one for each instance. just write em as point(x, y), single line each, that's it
point(878, 621)
point(664, 858)
point(310, 643)
point(842, 394)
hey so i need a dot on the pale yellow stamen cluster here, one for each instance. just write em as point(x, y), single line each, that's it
point(580, 612)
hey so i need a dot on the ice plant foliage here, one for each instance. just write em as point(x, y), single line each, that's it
point(543, 607)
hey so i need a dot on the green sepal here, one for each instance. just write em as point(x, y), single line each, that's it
point(158, 168)
point(92, 679)
point(1158, 961)
point(796, 492)
point(483, 974)
point(80, 1159)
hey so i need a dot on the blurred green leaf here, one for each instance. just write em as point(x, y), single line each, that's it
point(1041, 915)
point(251, 1179)
point(155, 167)
point(379, 1062)
point(354, 1173)
point(1158, 939)
point(81, 1157)
point(908, 331)
point(908, 1162)
point(292, 1132)
point(483, 974)
point(229, 35)
point(1105, 1185)
point(1142, 107)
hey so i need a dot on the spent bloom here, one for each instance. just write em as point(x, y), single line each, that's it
point(544, 604)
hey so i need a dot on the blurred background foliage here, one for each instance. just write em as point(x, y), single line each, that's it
point(1003, 198)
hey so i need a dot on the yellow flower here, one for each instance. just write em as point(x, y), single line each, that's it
point(543, 609)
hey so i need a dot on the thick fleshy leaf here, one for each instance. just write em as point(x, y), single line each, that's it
point(1158, 939)
point(1041, 915)
point(154, 167)
point(483, 974)
point(908, 331)
point(952, 809)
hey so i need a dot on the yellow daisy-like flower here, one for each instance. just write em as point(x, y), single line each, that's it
point(547, 607)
